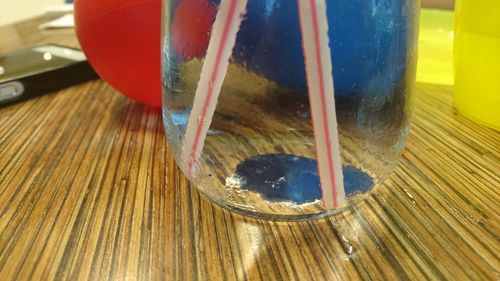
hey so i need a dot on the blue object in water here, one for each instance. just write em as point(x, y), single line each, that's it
point(369, 43)
point(284, 177)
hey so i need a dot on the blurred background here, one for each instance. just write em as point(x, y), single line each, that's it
point(441, 4)
point(15, 10)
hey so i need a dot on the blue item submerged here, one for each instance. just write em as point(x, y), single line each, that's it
point(370, 44)
point(284, 177)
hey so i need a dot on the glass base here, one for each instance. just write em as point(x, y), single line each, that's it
point(286, 218)
point(285, 187)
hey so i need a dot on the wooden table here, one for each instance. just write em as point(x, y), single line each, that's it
point(89, 191)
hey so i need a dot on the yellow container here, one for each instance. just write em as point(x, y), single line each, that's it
point(477, 60)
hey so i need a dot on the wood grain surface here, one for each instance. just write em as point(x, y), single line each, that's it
point(89, 191)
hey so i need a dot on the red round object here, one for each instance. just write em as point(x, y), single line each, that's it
point(121, 39)
point(191, 27)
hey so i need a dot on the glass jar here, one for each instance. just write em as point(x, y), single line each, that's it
point(257, 154)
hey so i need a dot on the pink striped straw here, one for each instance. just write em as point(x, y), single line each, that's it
point(220, 47)
point(314, 28)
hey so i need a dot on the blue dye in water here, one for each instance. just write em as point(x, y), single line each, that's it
point(284, 177)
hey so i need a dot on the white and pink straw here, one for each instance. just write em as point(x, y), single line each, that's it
point(314, 28)
point(213, 72)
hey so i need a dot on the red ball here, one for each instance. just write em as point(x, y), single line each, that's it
point(121, 39)
point(191, 27)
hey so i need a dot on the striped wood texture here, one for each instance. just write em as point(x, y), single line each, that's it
point(89, 191)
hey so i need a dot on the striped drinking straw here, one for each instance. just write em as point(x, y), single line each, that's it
point(314, 28)
point(222, 40)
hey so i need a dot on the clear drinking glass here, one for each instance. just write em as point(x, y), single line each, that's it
point(259, 154)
